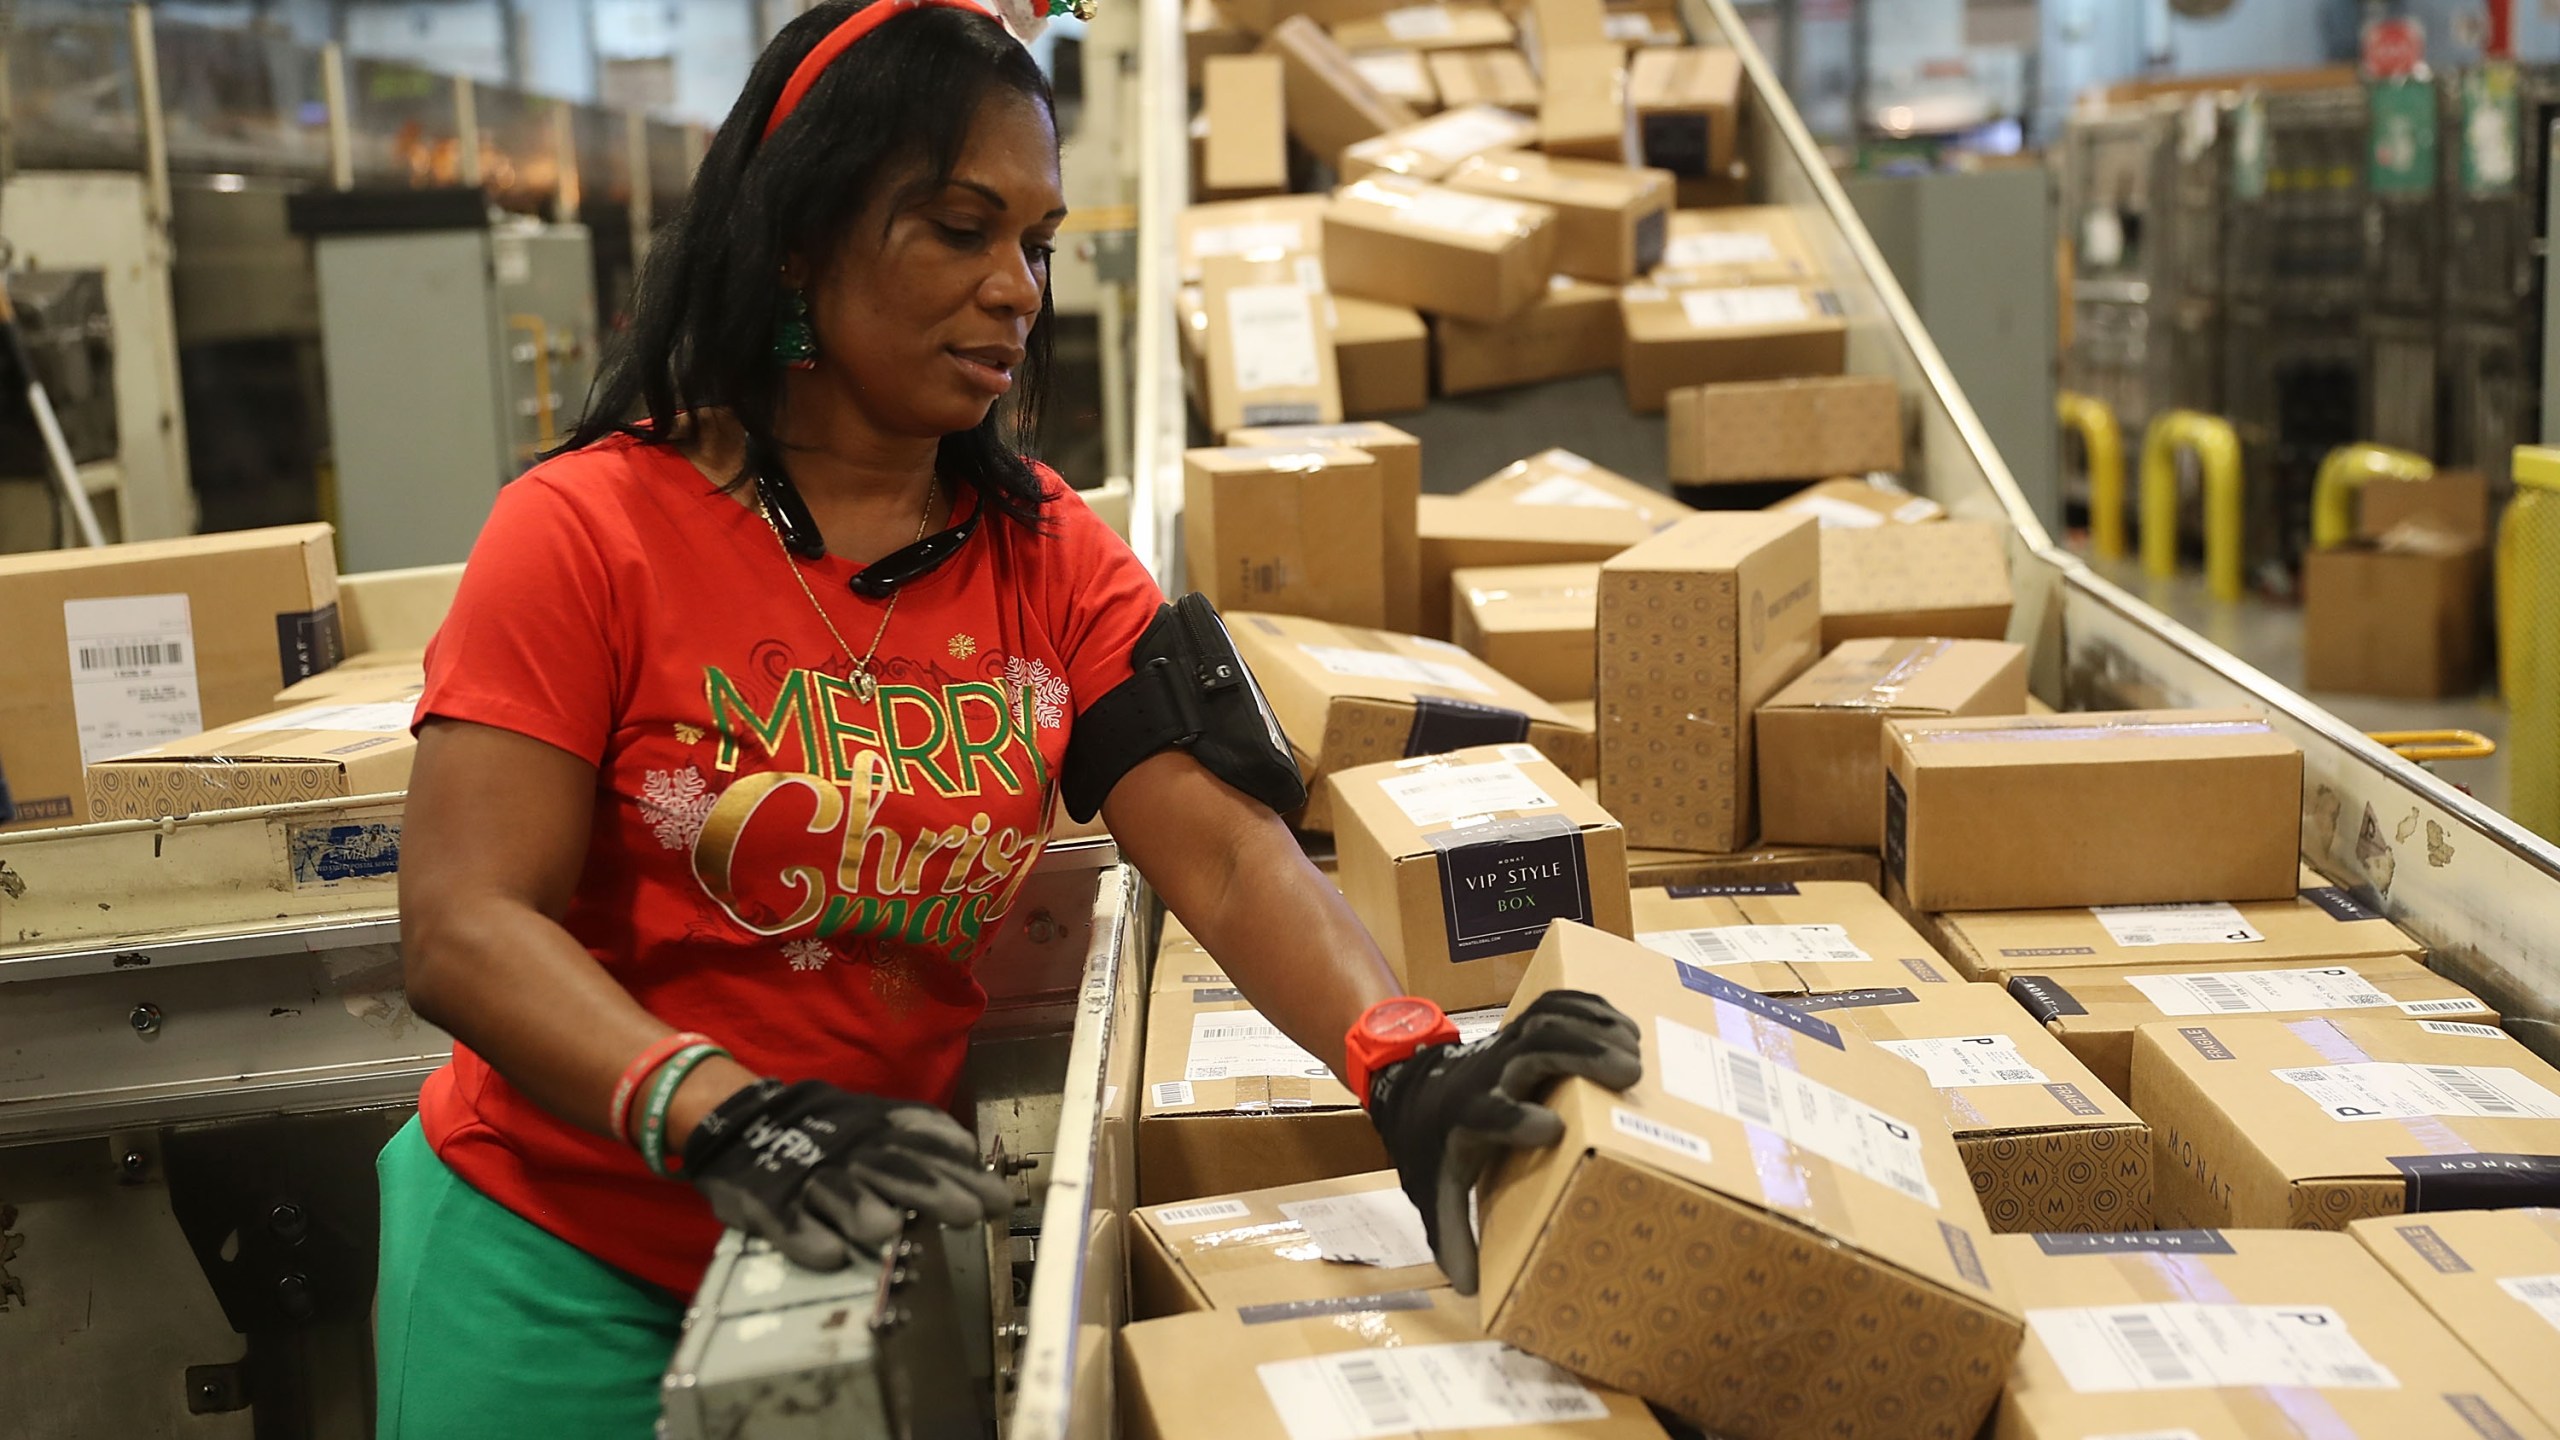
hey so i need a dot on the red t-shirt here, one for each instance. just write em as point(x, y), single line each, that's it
point(803, 876)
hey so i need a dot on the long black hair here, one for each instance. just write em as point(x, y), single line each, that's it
point(710, 293)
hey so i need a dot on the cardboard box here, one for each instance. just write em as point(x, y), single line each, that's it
point(394, 612)
point(1534, 623)
point(2319, 924)
point(2401, 618)
point(2048, 1147)
point(1230, 1103)
point(1261, 17)
point(1436, 249)
point(1383, 354)
point(1635, 27)
point(1709, 334)
point(1330, 104)
point(1687, 103)
point(2095, 1012)
point(1295, 530)
point(1761, 864)
point(1324, 1240)
point(1560, 477)
point(1206, 31)
point(1347, 696)
point(1400, 74)
point(2239, 1333)
point(1458, 863)
point(1268, 343)
point(316, 752)
point(1416, 1361)
point(2127, 807)
point(1948, 579)
point(1811, 1267)
point(1737, 245)
point(1463, 534)
point(1821, 751)
point(376, 675)
point(1246, 150)
point(1570, 330)
point(1698, 625)
point(1431, 149)
point(1816, 937)
point(1399, 458)
point(1857, 505)
point(1718, 192)
point(2311, 1124)
point(1609, 218)
point(114, 649)
point(2486, 1275)
point(1260, 229)
point(1584, 111)
point(1485, 77)
point(1429, 27)
point(1565, 22)
point(2452, 502)
point(1785, 429)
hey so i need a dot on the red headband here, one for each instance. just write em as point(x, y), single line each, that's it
point(860, 23)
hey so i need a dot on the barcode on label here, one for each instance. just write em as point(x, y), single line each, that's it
point(1203, 1212)
point(2149, 1348)
point(2462, 1006)
point(1172, 1093)
point(2461, 1027)
point(2459, 1080)
point(1749, 1083)
point(2218, 993)
point(1713, 947)
point(1381, 1404)
point(133, 656)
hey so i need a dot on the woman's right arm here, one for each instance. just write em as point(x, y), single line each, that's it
point(491, 849)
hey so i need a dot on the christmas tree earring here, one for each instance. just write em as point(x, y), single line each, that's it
point(795, 340)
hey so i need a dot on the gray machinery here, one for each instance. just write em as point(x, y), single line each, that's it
point(457, 351)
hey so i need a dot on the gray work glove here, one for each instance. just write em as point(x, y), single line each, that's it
point(823, 1174)
point(1449, 1111)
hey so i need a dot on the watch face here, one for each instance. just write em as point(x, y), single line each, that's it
point(1405, 1019)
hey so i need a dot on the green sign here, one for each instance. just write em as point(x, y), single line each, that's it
point(2492, 131)
point(2401, 144)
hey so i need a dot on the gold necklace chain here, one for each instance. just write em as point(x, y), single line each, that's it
point(864, 685)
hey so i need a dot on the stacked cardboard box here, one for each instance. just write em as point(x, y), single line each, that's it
point(1383, 354)
point(1535, 623)
point(1465, 533)
point(1399, 459)
point(1687, 104)
point(1431, 149)
point(1680, 335)
point(1785, 429)
point(1571, 330)
point(1389, 237)
point(340, 747)
point(1323, 1240)
point(1821, 739)
point(1330, 104)
point(1431, 27)
point(1485, 77)
point(1856, 504)
point(1946, 579)
point(1737, 245)
point(1584, 112)
point(1609, 218)
point(2396, 616)
point(1757, 864)
point(1292, 529)
point(2493, 1279)
point(1266, 351)
point(1402, 75)
point(1790, 938)
point(1244, 151)
point(1560, 477)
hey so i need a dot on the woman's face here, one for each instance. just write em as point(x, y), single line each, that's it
point(921, 322)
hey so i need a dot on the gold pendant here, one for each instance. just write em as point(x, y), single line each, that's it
point(864, 687)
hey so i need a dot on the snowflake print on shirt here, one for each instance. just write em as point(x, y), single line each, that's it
point(1049, 692)
point(807, 954)
point(675, 803)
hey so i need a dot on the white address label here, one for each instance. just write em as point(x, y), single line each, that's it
point(2463, 1028)
point(1833, 513)
point(1235, 1044)
point(2541, 1292)
point(2136, 926)
point(1275, 338)
point(2393, 1090)
point(2244, 992)
point(1374, 1227)
point(1442, 793)
point(133, 673)
point(389, 717)
point(1565, 490)
point(2107, 1349)
point(1474, 1025)
point(1962, 1062)
point(2450, 1005)
point(1757, 945)
point(1381, 665)
point(1718, 247)
point(1415, 1389)
point(1743, 306)
point(1706, 1071)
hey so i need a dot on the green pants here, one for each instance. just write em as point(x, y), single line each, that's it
point(491, 1328)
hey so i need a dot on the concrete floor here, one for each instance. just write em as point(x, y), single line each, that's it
point(2268, 635)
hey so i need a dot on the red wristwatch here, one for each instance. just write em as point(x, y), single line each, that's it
point(1389, 1031)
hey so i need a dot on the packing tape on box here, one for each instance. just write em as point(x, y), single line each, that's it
point(2449, 1173)
point(1484, 595)
point(1446, 210)
point(2259, 1410)
point(1879, 684)
point(2076, 728)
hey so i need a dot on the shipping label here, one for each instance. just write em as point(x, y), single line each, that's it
point(1417, 1389)
point(1397, 72)
point(1235, 1044)
point(1832, 513)
point(2244, 992)
point(2540, 1292)
point(2136, 926)
point(1250, 238)
point(1718, 247)
point(2393, 1090)
point(1706, 1071)
point(1438, 794)
point(389, 717)
point(1420, 22)
point(1757, 944)
point(1463, 214)
point(1384, 665)
point(2107, 1349)
point(2463, 1028)
point(1743, 305)
point(1960, 1062)
point(1565, 490)
point(2449, 1005)
point(1374, 1227)
point(133, 673)
point(1275, 338)
point(1474, 1025)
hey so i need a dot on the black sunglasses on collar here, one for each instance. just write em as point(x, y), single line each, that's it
point(881, 578)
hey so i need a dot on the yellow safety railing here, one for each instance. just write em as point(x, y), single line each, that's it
point(2428, 746)
point(2102, 442)
point(2342, 477)
point(2217, 450)
point(2529, 639)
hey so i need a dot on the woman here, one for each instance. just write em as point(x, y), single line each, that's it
point(742, 734)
